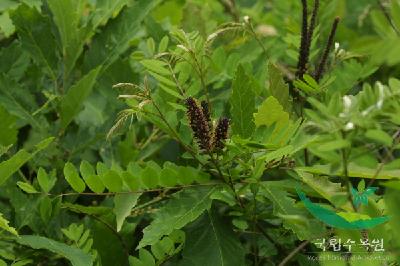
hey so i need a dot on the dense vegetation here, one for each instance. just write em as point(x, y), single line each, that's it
point(185, 132)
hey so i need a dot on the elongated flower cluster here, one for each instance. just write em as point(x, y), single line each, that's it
point(206, 112)
point(200, 122)
point(220, 133)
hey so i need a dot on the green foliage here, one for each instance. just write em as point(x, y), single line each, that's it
point(72, 101)
point(123, 205)
point(12, 165)
point(161, 251)
point(76, 256)
point(242, 104)
point(99, 162)
point(184, 208)
point(4, 226)
point(211, 242)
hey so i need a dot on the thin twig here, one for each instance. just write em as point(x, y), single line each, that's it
point(230, 8)
point(300, 247)
point(388, 18)
point(124, 246)
point(254, 34)
point(294, 252)
point(387, 157)
point(175, 134)
point(126, 192)
point(346, 173)
point(329, 44)
point(181, 90)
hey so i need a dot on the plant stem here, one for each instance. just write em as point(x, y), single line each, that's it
point(388, 155)
point(388, 18)
point(175, 134)
point(230, 8)
point(107, 225)
point(251, 28)
point(328, 46)
point(300, 247)
point(294, 252)
point(346, 176)
point(181, 90)
point(201, 76)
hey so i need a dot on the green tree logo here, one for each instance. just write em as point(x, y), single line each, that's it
point(344, 220)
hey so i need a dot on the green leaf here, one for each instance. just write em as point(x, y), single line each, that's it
point(163, 45)
point(117, 35)
point(334, 192)
point(135, 261)
point(132, 181)
point(14, 60)
point(168, 177)
point(123, 205)
point(184, 208)
point(73, 178)
point(112, 181)
point(72, 102)
point(67, 16)
point(156, 66)
point(211, 242)
point(46, 183)
point(277, 86)
point(43, 144)
point(28, 188)
point(9, 167)
point(91, 179)
point(4, 225)
point(4, 149)
point(395, 13)
point(92, 210)
point(242, 104)
point(150, 177)
point(163, 80)
point(353, 171)
point(277, 154)
point(12, 103)
point(171, 91)
point(6, 25)
point(76, 256)
point(146, 258)
point(74, 231)
point(334, 145)
point(311, 81)
point(45, 209)
point(392, 201)
point(271, 112)
point(299, 84)
point(36, 37)
point(8, 133)
point(294, 218)
point(379, 136)
point(106, 9)
point(168, 246)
